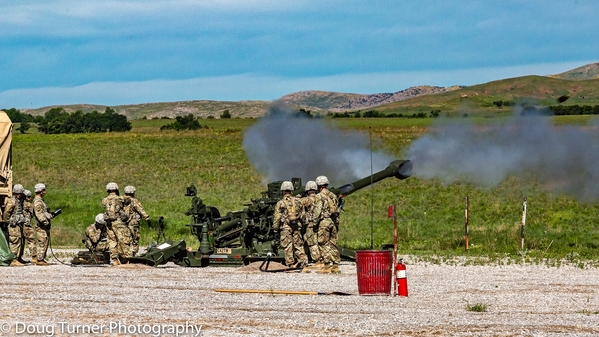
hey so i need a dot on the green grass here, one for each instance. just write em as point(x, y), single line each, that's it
point(476, 307)
point(161, 164)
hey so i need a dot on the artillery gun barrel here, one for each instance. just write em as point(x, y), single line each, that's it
point(224, 218)
point(225, 226)
point(401, 169)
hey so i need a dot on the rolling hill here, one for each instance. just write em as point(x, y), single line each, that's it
point(581, 83)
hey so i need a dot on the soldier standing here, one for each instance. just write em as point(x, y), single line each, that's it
point(28, 231)
point(136, 212)
point(311, 222)
point(287, 221)
point(118, 234)
point(42, 225)
point(13, 214)
point(328, 227)
point(96, 236)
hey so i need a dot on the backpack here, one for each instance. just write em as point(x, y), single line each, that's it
point(292, 211)
point(110, 213)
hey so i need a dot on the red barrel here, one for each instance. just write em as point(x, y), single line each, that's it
point(374, 269)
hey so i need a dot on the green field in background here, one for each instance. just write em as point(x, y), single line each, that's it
point(161, 164)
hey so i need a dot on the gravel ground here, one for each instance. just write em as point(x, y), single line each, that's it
point(521, 300)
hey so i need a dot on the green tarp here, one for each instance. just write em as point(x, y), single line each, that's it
point(6, 256)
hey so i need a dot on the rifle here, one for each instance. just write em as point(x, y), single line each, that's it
point(56, 213)
point(89, 248)
point(161, 226)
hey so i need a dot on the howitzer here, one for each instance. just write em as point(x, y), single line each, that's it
point(246, 235)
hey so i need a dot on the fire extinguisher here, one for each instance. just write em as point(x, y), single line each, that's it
point(401, 278)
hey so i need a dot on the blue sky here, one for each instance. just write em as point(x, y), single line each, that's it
point(127, 52)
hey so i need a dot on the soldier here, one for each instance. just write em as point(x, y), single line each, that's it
point(287, 221)
point(118, 234)
point(311, 224)
point(28, 230)
point(135, 211)
point(328, 227)
point(42, 225)
point(13, 214)
point(96, 236)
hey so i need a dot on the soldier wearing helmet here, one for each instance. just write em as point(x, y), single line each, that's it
point(328, 207)
point(28, 230)
point(96, 236)
point(14, 216)
point(118, 233)
point(287, 221)
point(135, 212)
point(311, 225)
point(42, 225)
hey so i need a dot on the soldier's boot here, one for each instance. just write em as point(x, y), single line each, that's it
point(34, 260)
point(335, 269)
point(41, 263)
point(16, 263)
point(325, 270)
point(20, 259)
point(116, 262)
point(317, 265)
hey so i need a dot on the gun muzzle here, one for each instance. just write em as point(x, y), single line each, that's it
point(56, 213)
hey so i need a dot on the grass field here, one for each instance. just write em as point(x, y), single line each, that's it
point(161, 164)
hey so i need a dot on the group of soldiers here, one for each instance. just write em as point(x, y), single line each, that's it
point(19, 214)
point(117, 229)
point(312, 222)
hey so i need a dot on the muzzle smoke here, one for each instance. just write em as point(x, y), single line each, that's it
point(562, 158)
point(282, 145)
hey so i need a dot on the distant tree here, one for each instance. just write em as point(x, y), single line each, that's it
point(57, 120)
point(304, 113)
point(188, 122)
point(225, 114)
point(16, 116)
point(24, 127)
point(372, 114)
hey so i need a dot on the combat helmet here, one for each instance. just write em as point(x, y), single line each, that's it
point(129, 189)
point(27, 193)
point(112, 187)
point(287, 186)
point(100, 219)
point(39, 187)
point(311, 186)
point(18, 189)
point(322, 180)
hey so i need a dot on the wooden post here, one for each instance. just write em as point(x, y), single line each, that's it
point(523, 224)
point(392, 213)
point(466, 225)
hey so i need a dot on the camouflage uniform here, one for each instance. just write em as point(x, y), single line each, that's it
point(328, 226)
point(311, 225)
point(14, 215)
point(118, 234)
point(96, 238)
point(136, 212)
point(28, 230)
point(290, 230)
point(42, 226)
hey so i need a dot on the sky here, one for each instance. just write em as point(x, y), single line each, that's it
point(128, 52)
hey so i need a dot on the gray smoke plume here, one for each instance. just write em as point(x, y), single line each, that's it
point(562, 158)
point(282, 145)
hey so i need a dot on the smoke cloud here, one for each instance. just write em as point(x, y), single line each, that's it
point(564, 159)
point(282, 145)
